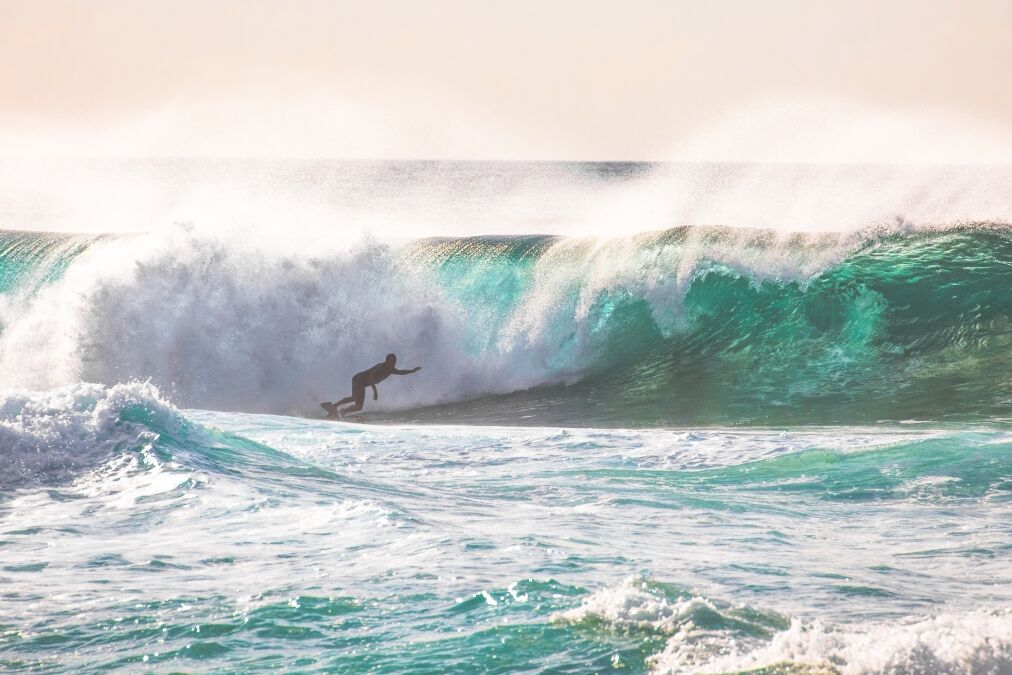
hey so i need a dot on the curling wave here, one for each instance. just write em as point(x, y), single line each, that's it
point(50, 437)
point(689, 325)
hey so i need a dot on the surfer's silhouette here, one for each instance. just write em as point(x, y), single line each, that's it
point(367, 378)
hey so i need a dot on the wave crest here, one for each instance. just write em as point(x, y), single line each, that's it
point(703, 635)
point(50, 437)
point(689, 325)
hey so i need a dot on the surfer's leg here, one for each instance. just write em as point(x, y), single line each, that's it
point(357, 385)
point(357, 395)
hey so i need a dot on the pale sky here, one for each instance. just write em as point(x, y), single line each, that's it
point(864, 80)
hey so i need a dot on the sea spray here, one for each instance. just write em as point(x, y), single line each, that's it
point(50, 437)
point(690, 325)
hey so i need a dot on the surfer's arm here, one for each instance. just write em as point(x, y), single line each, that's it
point(375, 392)
point(406, 372)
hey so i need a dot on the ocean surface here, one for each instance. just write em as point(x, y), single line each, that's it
point(703, 448)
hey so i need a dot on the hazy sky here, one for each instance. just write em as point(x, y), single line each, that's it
point(864, 80)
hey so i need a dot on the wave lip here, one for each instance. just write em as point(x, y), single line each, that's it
point(52, 436)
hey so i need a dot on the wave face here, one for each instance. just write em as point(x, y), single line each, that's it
point(689, 325)
point(747, 326)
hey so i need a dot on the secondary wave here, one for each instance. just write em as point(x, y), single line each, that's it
point(695, 324)
point(707, 636)
point(51, 437)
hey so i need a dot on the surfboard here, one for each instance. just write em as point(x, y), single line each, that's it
point(332, 411)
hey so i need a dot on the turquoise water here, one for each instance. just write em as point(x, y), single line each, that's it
point(699, 450)
point(30, 259)
point(900, 326)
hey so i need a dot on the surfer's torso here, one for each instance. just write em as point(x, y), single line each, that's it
point(377, 373)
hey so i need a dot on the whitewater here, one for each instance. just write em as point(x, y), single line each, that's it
point(680, 446)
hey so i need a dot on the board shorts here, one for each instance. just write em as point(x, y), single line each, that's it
point(358, 388)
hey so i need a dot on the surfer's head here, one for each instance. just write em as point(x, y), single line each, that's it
point(391, 359)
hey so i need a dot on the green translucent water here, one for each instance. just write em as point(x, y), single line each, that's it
point(904, 327)
point(30, 259)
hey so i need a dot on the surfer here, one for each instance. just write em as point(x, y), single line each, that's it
point(367, 378)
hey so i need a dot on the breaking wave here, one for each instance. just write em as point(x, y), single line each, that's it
point(702, 635)
point(694, 324)
point(50, 437)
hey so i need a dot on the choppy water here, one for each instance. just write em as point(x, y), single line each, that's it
point(703, 449)
point(198, 540)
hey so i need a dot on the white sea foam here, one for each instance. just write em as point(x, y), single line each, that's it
point(977, 642)
point(233, 324)
point(972, 642)
point(638, 604)
point(633, 604)
point(49, 436)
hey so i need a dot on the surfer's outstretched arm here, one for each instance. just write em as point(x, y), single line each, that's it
point(375, 393)
point(406, 372)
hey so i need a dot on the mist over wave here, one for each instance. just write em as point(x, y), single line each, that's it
point(223, 323)
point(410, 199)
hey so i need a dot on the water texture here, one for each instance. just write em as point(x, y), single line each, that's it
point(695, 450)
